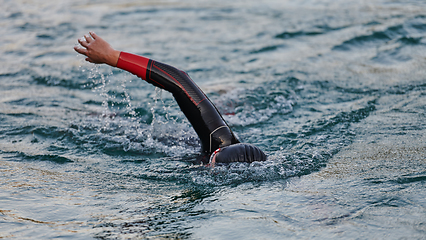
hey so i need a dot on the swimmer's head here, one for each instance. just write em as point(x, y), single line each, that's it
point(240, 152)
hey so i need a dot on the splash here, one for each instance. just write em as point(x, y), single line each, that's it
point(124, 128)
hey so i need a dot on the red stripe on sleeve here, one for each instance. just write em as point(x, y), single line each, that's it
point(133, 63)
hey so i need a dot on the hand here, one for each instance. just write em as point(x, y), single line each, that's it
point(97, 50)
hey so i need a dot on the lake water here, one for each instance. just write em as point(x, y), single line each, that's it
point(333, 91)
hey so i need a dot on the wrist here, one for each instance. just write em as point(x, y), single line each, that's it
point(113, 58)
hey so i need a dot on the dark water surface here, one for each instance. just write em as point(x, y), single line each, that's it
point(333, 91)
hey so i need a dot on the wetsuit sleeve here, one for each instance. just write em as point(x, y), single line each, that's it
point(200, 111)
point(133, 63)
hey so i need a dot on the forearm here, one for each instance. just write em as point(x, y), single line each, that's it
point(158, 74)
point(133, 63)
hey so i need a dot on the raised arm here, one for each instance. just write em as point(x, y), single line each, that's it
point(206, 120)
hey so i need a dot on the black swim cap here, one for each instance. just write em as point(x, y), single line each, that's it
point(240, 152)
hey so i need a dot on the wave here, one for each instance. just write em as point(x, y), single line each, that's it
point(244, 107)
point(316, 30)
point(38, 157)
point(73, 83)
point(410, 33)
point(268, 49)
point(345, 118)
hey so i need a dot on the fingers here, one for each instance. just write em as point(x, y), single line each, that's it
point(93, 35)
point(83, 42)
point(94, 48)
point(88, 38)
point(80, 50)
point(89, 60)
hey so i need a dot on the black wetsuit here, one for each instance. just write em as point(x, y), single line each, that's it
point(213, 131)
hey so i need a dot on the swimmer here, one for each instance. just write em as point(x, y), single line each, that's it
point(218, 142)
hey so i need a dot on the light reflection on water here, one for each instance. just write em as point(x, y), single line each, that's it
point(332, 91)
